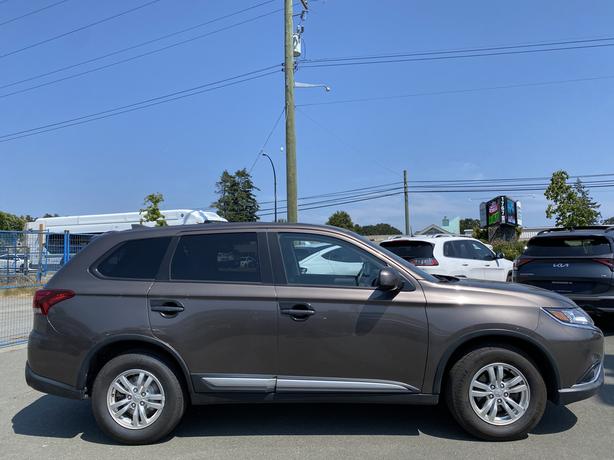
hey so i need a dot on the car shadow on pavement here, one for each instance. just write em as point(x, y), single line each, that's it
point(48, 417)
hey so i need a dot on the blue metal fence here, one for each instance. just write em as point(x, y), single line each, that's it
point(27, 260)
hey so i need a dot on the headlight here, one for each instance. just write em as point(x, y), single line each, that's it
point(570, 315)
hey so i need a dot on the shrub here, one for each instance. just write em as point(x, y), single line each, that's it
point(510, 249)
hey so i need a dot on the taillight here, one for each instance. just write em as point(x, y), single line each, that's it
point(44, 299)
point(425, 262)
point(607, 262)
point(520, 262)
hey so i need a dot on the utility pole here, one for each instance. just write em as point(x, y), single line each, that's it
point(406, 193)
point(291, 188)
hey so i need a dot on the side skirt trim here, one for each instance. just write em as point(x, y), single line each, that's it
point(293, 384)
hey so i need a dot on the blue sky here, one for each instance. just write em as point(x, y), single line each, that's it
point(180, 148)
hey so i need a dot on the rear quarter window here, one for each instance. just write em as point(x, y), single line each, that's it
point(134, 259)
point(568, 246)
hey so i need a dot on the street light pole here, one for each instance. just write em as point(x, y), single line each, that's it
point(274, 182)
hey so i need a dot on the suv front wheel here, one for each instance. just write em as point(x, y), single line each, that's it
point(137, 399)
point(496, 394)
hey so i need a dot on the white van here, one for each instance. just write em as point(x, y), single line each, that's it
point(83, 228)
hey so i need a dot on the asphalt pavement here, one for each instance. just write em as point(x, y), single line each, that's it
point(34, 425)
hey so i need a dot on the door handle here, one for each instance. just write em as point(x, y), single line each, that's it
point(166, 308)
point(465, 265)
point(297, 311)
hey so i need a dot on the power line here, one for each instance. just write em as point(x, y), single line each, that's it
point(463, 56)
point(17, 18)
point(248, 76)
point(456, 91)
point(381, 192)
point(340, 192)
point(448, 183)
point(266, 141)
point(123, 61)
point(78, 29)
point(339, 139)
point(459, 50)
point(138, 45)
point(384, 195)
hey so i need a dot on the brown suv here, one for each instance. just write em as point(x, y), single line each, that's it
point(146, 321)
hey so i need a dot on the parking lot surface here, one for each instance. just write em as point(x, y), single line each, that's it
point(34, 425)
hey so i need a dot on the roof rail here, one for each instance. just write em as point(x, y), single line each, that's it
point(607, 228)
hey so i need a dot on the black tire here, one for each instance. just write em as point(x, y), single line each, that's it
point(171, 413)
point(459, 404)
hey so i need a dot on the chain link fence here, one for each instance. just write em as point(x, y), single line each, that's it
point(27, 260)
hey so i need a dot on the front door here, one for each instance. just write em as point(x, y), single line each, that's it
point(217, 309)
point(337, 331)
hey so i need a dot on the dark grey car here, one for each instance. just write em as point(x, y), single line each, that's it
point(578, 263)
point(146, 321)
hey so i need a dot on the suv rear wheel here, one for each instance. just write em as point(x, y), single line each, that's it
point(496, 394)
point(137, 399)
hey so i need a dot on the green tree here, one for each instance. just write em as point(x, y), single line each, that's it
point(609, 221)
point(341, 219)
point(11, 221)
point(151, 212)
point(377, 229)
point(572, 205)
point(237, 200)
point(469, 224)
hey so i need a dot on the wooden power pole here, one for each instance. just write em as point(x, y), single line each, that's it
point(291, 187)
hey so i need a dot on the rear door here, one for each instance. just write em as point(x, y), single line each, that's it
point(461, 258)
point(337, 331)
point(568, 264)
point(216, 306)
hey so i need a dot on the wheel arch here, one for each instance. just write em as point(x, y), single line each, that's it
point(533, 349)
point(123, 344)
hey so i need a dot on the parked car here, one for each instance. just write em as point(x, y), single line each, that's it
point(578, 263)
point(12, 264)
point(332, 259)
point(447, 255)
point(146, 321)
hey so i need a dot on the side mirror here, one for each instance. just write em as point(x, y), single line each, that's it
point(389, 280)
point(499, 255)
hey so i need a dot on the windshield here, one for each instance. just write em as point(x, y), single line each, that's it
point(401, 261)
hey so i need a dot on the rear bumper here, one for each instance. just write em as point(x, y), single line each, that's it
point(581, 391)
point(52, 387)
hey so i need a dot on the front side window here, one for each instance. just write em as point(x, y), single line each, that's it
point(467, 249)
point(135, 259)
point(325, 261)
point(217, 257)
point(481, 252)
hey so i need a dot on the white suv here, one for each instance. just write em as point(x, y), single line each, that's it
point(452, 256)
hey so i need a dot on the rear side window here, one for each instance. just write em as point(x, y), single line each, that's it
point(221, 257)
point(410, 249)
point(568, 246)
point(135, 259)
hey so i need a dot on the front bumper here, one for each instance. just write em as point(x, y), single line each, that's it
point(582, 391)
point(52, 387)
